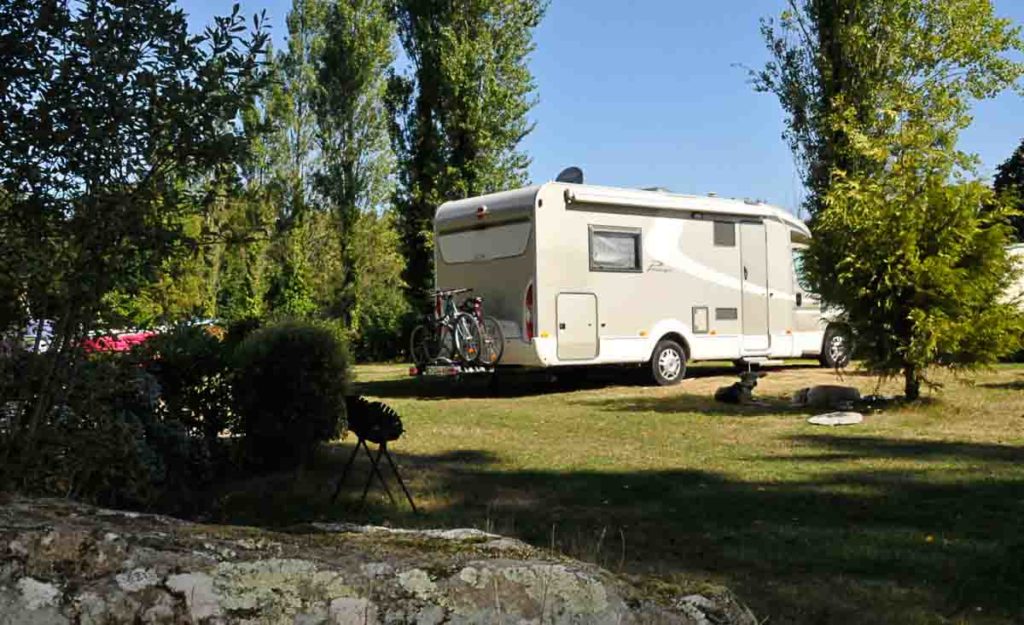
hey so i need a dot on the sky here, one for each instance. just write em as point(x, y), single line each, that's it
point(645, 93)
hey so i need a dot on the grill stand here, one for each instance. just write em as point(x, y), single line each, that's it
point(382, 450)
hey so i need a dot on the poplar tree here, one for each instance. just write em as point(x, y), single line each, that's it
point(461, 113)
point(357, 162)
point(908, 242)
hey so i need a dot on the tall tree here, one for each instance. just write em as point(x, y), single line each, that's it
point(355, 178)
point(109, 112)
point(1009, 183)
point(295, 160)
point(461, 114)
point(876, 93)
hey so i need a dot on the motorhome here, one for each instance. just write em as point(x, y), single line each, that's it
point(582, 275)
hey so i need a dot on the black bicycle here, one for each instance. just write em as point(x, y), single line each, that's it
point(447, 333)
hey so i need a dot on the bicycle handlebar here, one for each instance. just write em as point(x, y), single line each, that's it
point(451, 291)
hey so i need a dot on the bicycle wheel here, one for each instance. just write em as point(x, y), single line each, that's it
point(445, 343)
point(424, 346)
point(467, 337)
point(493, 342)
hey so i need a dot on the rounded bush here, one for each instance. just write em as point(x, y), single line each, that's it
point(290, 387)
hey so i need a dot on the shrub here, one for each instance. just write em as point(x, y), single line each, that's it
point(190, 363)
point(92, 445)
point(289, 391)
point(110, 438)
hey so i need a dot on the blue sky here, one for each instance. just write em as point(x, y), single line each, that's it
point(650, 93)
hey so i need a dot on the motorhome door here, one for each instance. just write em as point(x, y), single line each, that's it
point(577, 326)
point(754, 262)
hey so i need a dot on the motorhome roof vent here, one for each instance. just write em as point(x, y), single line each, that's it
point(657, 189)
point(712, 194)
point(572, 175)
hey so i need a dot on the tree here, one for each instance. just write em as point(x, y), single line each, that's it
point(357, 160)
point(110, 114)
point(876, 93)
point(380, 306)
point(327, 153)
point(1009, 183)
point(461, 114)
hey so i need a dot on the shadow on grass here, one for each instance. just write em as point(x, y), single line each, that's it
point(848, 547)
point(1013, 385)
point(510, 383)
point(869, 447)
point(513, 383)
point(696, 403)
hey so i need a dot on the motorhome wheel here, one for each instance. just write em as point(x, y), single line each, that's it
point(836, 347)
point(668, 363)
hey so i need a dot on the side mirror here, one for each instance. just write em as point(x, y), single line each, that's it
point(799, 299)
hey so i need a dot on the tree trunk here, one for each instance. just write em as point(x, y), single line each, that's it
point(911, 383)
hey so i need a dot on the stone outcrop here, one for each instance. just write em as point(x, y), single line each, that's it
point(67, 563)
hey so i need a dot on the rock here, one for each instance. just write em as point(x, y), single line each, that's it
point(837, 418)
point(69, 563)
point(827, 396)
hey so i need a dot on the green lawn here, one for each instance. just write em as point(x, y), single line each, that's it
point(915, 516)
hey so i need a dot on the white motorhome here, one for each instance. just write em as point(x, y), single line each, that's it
point(583, 275)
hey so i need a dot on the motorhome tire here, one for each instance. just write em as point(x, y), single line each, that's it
point(668, 363)
point(836, 347)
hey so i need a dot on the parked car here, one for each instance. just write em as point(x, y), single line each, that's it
point(116, 342)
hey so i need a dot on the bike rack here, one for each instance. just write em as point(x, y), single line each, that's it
point(448, 369)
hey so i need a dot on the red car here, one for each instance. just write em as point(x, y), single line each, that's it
point(116, 342)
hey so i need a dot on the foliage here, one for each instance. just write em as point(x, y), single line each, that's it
point(459, 117)
point(191, 364)
point(289, 391)
point(866, 62)
point(376, 330)
point(357, 159)
point(876, 93)
point(1009, 183)
point(106, 443)
point(322, 160)
point(109, 112)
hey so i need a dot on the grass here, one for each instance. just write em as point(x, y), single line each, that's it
point(914, 516)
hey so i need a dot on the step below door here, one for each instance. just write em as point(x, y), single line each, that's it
point(577, 326)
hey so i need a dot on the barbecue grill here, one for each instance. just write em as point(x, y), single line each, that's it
point(379, 424)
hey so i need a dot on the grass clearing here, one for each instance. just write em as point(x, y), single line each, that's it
point(915, 516)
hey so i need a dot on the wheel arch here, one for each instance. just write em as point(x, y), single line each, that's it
point(672, 336)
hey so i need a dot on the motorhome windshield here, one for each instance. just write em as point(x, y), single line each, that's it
point(490, 242)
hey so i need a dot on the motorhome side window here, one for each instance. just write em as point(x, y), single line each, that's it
point(615, 249)
point(725, 234)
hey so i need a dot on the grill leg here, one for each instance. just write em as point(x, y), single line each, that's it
point(344, 473)
point(398, 475)
point(375, 470)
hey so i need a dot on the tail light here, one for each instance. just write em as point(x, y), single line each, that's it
point(437, 305)
point(528, 312)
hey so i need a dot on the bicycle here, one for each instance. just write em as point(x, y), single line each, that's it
point(447, 333)
point(493, 345)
